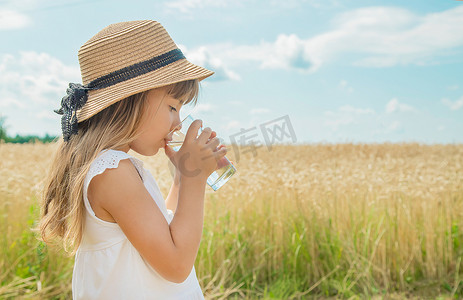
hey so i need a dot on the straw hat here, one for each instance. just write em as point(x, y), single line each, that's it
point(121, 60)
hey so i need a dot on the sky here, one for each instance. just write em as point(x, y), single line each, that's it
point(293, 71)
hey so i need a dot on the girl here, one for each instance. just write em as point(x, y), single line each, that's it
point(107, 208)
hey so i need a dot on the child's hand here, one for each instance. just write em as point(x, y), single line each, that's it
point(199, 156)
point(170, 152)
point(223, 161)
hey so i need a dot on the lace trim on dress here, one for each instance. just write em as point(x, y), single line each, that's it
point(109, 159)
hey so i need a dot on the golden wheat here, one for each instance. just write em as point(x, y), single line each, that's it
point(332, 219)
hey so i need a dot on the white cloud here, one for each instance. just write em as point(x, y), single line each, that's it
point(395, 106)
point(389, 36)
point(201, 57)
point(368, 37)
point(11, 19)
point(35, 78)
point(11, 15)
point(34, 83)
point(456, 105)
point(288, 52)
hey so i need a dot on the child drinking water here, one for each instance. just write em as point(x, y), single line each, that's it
point(128, 242)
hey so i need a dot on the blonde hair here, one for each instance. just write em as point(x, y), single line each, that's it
point(62, 205)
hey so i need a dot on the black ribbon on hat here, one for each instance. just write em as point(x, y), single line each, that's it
point(76, 98)
point(77, 93)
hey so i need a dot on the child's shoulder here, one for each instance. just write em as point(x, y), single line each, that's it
point(112, 184)
point(113, 167)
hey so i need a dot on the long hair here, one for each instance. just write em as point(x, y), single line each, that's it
point(62, 205)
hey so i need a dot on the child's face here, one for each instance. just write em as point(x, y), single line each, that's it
point(161, 117)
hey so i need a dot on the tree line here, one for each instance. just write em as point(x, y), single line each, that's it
point(21, 139)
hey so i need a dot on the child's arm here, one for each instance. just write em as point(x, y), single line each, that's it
point(170, 249)
point(172, 197)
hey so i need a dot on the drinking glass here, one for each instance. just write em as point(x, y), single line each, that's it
point(225, 169)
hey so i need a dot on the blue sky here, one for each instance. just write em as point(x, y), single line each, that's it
point(342, 71)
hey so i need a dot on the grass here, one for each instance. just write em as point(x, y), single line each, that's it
point(298, 222)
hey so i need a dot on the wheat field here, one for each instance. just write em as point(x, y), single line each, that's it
point(347, 221)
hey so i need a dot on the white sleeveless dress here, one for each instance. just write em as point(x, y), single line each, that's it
point(107, 265)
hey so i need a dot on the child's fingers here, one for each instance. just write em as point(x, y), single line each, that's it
point(169, 151)
point(213, 144)
point(223, 161)
point(205, 135)
point(222, 151)
point(213, 135)
point(192, 132)
point(220, 147)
